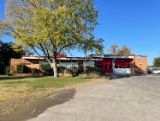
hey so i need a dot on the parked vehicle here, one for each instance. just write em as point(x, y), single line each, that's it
point(156, 71)
point(153, 70)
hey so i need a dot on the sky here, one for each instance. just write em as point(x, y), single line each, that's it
point(135, 23)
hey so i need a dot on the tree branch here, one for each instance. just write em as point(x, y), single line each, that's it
point(65, 46)
point(43, 50)
point(34, 50)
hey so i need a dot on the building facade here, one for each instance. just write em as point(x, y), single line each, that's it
point(107, 64)
point(116, 64)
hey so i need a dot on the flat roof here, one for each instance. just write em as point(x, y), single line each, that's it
point(112, 55)
point(62, 58)
point(78, 58)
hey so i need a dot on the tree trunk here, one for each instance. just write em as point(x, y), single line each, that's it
point(54, 66)
point(85, 62)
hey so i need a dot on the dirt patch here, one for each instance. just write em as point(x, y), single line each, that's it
point(34, 109)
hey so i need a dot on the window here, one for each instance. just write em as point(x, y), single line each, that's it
point(139, 60)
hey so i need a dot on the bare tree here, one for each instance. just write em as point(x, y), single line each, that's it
point(124, 50)
point(113, 49)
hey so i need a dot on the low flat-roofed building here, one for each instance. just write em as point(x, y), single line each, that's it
point(107, 64)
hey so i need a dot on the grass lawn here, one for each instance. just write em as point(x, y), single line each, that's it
point(17, 91)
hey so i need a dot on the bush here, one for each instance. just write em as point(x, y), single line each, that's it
point(20, 68)
point(34, 73)
point(47, 69)
point(61, 69)
point(2, 68)
point(73, 70)
point(138, 71)
point(8, 70)
point(92, 70)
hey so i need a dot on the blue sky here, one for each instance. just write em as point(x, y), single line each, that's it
point(135, 23)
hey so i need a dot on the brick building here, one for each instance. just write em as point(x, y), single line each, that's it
point(116, 64)
point(107, 64)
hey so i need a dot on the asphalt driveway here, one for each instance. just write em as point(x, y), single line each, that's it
point(126, 99)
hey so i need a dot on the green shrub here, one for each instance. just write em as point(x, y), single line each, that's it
point(34, 73)
point(8, 70)
point(72, 70)
point(92, 70)
point(138, 71)
point(20, 68)
point(61, 69)
point(47, 69)
point(67, 70)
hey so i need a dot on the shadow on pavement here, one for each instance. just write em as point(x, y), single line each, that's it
point(34, 109)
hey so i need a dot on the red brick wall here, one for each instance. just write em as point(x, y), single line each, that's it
point(30, 64)
point(141, 63)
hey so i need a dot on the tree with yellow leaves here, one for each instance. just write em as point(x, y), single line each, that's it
point(50, 27)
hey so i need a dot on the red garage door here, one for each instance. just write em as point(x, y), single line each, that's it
point(122, 63)
point(105, 66)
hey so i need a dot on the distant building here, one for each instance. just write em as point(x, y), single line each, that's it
point(107, 64)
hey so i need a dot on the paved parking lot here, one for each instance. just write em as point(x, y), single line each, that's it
point(125, 99)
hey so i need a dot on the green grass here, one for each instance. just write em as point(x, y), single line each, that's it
point(41, 82)
point(17, 91)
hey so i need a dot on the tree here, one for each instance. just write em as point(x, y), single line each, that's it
point(124, 50)
point(6, 53)
point(156, 62)
point(50, 27)
point(113, 49)
point(1, 43)
point(89, 46)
